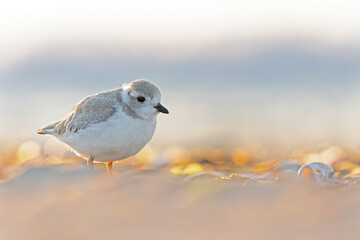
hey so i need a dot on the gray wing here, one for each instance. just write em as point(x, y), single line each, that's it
point(93, 109)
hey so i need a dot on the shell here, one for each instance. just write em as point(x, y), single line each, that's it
point(320, 172)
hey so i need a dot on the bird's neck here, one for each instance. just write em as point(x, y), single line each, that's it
point(125, 96)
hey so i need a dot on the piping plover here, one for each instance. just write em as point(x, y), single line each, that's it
point(111, 125)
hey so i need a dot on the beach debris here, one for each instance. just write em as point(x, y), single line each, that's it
point(321, 173)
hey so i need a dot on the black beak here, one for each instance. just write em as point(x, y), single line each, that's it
point(161, 108)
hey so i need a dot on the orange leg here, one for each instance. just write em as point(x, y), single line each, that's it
point(109, 168)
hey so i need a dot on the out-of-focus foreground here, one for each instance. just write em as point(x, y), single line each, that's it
point(179, 193)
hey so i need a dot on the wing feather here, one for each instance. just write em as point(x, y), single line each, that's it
point(91, 110)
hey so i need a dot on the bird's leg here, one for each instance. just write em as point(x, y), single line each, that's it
point(109, 168)
point(89, 162)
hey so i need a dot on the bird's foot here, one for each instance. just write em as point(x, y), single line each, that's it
point(109, 168)
point(89, 162)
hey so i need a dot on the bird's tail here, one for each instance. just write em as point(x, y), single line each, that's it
point(49, 129)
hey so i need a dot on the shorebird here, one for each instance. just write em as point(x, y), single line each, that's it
point(111, 125)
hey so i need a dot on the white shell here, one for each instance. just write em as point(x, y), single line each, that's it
point(320, 172)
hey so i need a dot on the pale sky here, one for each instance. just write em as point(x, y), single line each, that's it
point(302, 85)
point(26, 26)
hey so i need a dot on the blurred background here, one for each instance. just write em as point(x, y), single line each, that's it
point(279, 75)
point(255, 89)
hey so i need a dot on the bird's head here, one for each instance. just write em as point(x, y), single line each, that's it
point(143, 97)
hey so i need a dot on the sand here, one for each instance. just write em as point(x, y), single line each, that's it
point(72, 202)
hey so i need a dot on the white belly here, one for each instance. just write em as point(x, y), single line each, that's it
point(117, 138)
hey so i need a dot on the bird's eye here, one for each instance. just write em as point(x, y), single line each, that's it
point(141, 99)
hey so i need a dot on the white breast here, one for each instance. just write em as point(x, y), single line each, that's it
point(119, 137)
